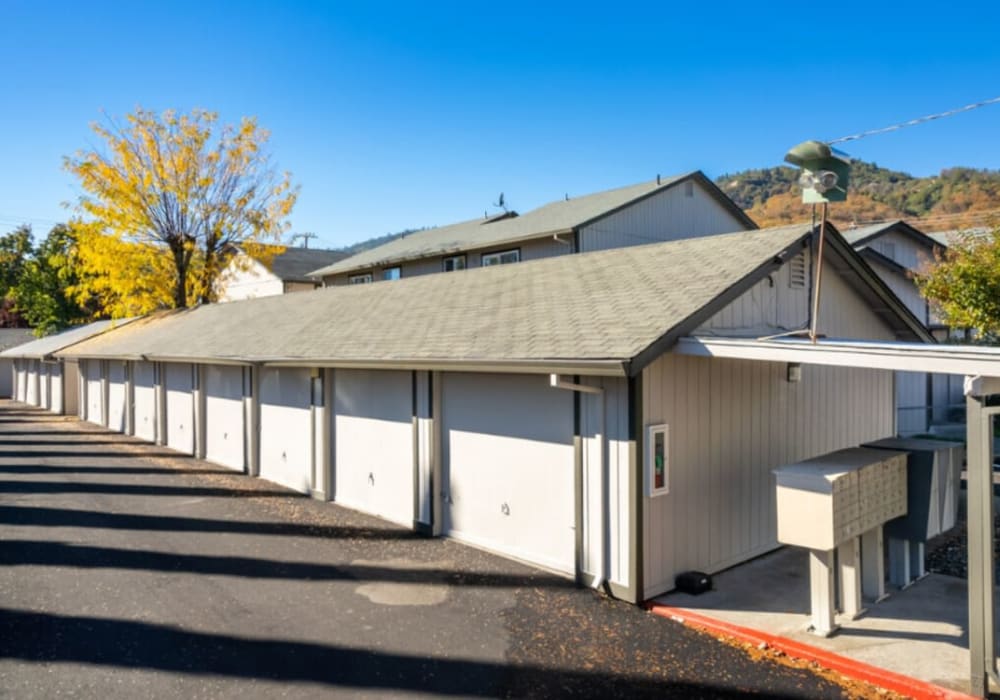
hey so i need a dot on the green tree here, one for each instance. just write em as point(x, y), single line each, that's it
point(964, 284)
point(41, 293)
point(15, 247)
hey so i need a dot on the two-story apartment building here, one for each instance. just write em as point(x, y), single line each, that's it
point(684, 206)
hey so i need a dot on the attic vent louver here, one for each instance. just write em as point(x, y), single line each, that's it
point(797, 272)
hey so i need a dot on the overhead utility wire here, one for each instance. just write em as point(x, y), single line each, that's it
point(914, 122)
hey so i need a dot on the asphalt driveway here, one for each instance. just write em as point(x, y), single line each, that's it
point(127, 571)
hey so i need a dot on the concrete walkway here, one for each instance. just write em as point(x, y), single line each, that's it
point(127, 571)
point(920, 632)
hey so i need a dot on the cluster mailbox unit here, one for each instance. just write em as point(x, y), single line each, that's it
point(835, 505)
point(934, 472)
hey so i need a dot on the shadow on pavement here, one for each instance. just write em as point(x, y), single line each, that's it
point(64, 517)
point(26, 487)
point(44, 637)
point(45, 553)
point(151, 471)
point(83, 454)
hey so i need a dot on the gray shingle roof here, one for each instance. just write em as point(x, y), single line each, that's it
point(863, 235)
point(556, 217)
point(12, 337)
point(295, 264)
point(43, 347)
point(948, 238)
point(604, 306)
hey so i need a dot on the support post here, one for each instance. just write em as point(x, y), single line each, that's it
point(321, 436)
point(128, 369)
point(821, 592)
point(253, 423)
point(982, 645)
point(872, 565)
point(849, 562)
point(161, 403)
point(899, 563)
point(200, 405)
point(437, 458)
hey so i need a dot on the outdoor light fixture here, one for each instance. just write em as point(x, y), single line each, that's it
point(793, 372)
point(823, 179)
point(824, 174)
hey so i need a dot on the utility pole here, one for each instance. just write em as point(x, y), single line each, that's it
point(305, 238)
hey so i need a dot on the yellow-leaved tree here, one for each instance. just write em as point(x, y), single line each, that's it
point(166, 202)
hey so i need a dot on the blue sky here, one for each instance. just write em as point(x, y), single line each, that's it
point(397, 115)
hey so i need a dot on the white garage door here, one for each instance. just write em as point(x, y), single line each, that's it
point(144, 391)
point(508, 462)
point(373, 442)
point(32, 396)
point(180, 407)
point(286, 428)
point(116, 396)
point(95, 393)
point(224, 415)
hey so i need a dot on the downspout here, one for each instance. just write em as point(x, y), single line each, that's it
point(557, 382)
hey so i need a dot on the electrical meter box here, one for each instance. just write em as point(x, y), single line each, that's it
point(827, 500)
point(934, 473)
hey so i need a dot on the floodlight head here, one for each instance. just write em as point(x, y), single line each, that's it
point(825, 180)
point(825, 171)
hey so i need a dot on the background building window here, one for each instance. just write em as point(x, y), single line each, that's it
point(501, 258)
point(360, 279)
point(391, 273)
point(455, 262)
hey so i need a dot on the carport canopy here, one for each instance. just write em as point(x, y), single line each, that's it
point(981, 368)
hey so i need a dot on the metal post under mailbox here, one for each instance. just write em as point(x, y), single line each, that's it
point(982, 617)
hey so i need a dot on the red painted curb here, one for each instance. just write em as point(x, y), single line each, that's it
point(896, 682)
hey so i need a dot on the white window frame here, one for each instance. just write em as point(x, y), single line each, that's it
point(455, 268)
point(498, 257)
point(386, 271)
point(651, 432)
point(366, 278)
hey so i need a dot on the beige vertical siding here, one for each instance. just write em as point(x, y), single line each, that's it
point(731, 423)
point(901, 249)
point(667, 216)
point(773, 305)
point(843, 314)
point(530, 250)
point(903, 288)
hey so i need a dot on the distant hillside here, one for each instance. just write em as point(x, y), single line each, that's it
point(375, 242)
point(956, 198)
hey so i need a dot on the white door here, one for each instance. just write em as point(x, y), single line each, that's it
point(373, 442)
point(509, 463)
point(144, 391)
point(180, 406)
point(95, 393)
point(286, 427)
point(224, 411)
point(116, 396)
point(32, 392)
